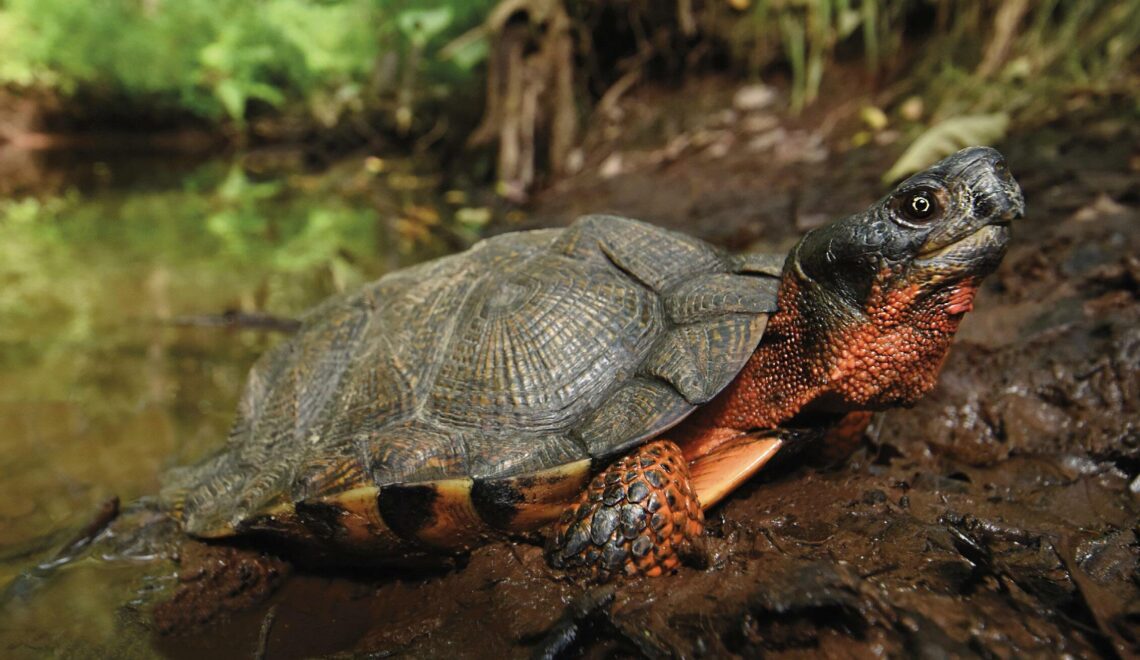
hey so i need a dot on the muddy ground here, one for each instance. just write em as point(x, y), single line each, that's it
point(997, 518)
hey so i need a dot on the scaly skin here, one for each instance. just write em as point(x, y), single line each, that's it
point(868, 307)
point(889, 356)
point(638, 517)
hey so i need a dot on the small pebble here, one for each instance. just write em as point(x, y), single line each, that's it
point(753, 97)
point(874, 496)
point(611, 166)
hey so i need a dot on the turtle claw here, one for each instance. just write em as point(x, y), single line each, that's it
point(639, 516)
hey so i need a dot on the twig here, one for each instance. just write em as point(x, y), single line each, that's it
point(235, 319)
point(263, 634)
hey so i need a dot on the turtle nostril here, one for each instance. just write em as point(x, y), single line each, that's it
point(984, 206)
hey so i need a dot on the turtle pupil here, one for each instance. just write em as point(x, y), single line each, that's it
point(920, 206)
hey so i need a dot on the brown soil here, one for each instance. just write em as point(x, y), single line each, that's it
point(997, 518)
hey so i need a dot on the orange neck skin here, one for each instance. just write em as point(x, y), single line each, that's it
point(833, 357)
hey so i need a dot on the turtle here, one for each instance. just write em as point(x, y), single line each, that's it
point(603, 383)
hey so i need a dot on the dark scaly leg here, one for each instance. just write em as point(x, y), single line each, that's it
point(639, 516)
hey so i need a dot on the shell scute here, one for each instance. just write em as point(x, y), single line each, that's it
point(539, 344)
point(639, 409)
point(655, 257)
point(699, 360)
point(710, 295)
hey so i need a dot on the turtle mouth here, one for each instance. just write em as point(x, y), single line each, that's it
point(977, 253)
point(987, 215)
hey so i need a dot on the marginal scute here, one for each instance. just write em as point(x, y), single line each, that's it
point(759, 264)
point(709, 295)
point(656, 257)
point(439, 514)
point(511, 453)
point(292, 390)
point(412, 451)
point(640, 409)
point(701, 359)
point(338, 467)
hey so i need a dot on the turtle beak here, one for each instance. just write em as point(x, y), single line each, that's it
point(996, 195)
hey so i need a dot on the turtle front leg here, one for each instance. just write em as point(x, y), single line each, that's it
point(639, 516)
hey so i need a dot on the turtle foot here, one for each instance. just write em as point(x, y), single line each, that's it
point(217, 580)
point(639, 516)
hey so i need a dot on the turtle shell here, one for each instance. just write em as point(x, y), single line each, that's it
point(474, 394)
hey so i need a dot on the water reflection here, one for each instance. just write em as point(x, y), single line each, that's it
point(101, 389)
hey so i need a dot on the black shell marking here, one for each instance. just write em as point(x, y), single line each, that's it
point(408, 509)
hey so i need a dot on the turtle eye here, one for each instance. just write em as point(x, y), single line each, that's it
point(919, 205)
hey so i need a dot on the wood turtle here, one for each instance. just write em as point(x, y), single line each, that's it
point(612, 378)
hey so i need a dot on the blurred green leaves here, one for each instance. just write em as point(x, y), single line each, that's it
point(232, 72)
point(421, 25)
point(70, 265)
point(214, 58)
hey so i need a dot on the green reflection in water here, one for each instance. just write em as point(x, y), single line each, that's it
point(101, 389)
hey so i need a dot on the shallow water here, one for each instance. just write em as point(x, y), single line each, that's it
point(112, 369)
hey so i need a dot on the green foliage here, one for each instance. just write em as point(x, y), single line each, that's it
point(214, 58)
point(421, 25)
point(330, 61)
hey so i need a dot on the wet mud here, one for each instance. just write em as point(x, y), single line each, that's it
point(996, 518)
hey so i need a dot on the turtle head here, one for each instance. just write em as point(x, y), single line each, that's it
point(950, 223)
point(883, 291)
